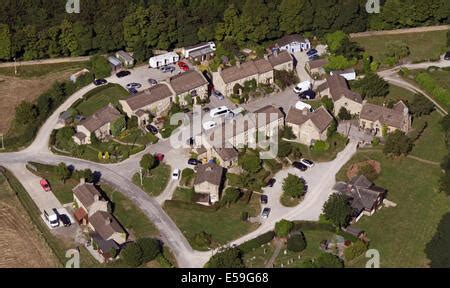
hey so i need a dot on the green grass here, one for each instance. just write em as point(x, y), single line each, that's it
point(223, 225)
point(423, 46)
point(431, 144)
point(395, 94)
point(183, 194)
point(136, 136)
point(101, 97)
point(337, 144)
point(287, 201)
point(261, 258)
point(155, 183)
point(402, 233)
point(30, 71)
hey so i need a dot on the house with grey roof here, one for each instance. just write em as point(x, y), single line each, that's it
point(375, 118)
point(336, 88)
point(125, 58)
point(292, 43)
point(316, 67)
point(364, 196)
point(106, 225)
point(309, 126)
point(189, 84)
point(209, 180)
point(98, 124)
point(88, 200)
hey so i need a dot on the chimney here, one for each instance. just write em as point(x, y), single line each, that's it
point(96, 198)
point(238, 64)
point(108, 221)
point(305, 112)
point(266, 57)
point(82, 181)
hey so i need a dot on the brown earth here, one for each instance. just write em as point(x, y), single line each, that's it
point(353, 170)
point(14, 90)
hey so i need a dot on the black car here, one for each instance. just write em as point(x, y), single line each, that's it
point(271, 182)
point(206, 109)
point(98, 82)
point(191, 141)
point(300, 166)
point(132, 91)
point(186, 110)
point(65, 220)
point(307, 95)
point(152, 129)
point(264, 199)
point(193, 162)
point(122, 74)
point(447, 56)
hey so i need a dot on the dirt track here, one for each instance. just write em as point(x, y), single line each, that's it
point(400, 31)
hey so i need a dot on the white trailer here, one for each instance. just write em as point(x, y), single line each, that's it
point(163, 59)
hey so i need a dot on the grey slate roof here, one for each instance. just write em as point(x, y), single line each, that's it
point(187, 81)
point(154, 94)
point(339, 88)
point(103, 116)
point(391, 117)
point(210, 172)
point(105, 224)
point(320, 117)
point(87, 194)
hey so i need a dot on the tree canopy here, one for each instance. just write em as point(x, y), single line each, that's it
point(283, 227)
point(337, 210)
point(293, 186)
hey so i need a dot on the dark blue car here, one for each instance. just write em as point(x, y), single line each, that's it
point(132, 91)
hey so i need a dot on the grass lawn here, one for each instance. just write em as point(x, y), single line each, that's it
point(337, 144)
point(431, 144)
point(261, 254)
point(402, 233)
point(30, 71)
point(183, 194)
point(395, 94)
point(136, 136)
point(423, 46)
point(193, 221)
point(287, 201)
point(156, 182)
point(100, 97)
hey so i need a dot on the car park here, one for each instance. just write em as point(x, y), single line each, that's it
point(217, 94)
point(307, 163)
point(300, 166)
point(134, 85)
point(166, 69)
point(152, 82)
point(183, 66)
point(265, 213)
point(176, 174)
point(209, 125)
point(98, 82)
point(271, 182)
point(65, 220)
point(152, 129)
point(45, 185)
point(193, 161)
point(264, 199)
point(122, 74)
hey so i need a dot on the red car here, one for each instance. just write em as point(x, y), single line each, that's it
point(45, 185)
point(183, 66)
point(159, 157)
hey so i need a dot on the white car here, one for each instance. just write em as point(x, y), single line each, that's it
point(307, 163)
point(219, 111)
point(209, 125)
point(176, 174)
point(302, 87)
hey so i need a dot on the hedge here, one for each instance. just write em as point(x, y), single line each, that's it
point(257, 242)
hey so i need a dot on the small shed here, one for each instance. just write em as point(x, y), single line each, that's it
point(114, 63)
point(348, 74)
point(125, 58)
point(66, 117)
point(74, 77)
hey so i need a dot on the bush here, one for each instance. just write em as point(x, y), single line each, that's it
point(150, 248)
point(100, 66)
point(231, 196)
point(296, 242)
point(355, 250)
point(285, 78)
point(132, 254)
point(202, 239)
point(344, 114)
point(257, 242)
point(283, 227)
point(327, 260)
point(226, 258)
point(321, 146)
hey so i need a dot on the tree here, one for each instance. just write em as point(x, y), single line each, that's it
point(396, 49)
point(250, 162)
point(293, 186)
point(397, 143)
point(100, 67)
point(226, 258)
point(283, 228)
point(88, 175)
point(337, 209)
point(368, 171)
point(296, 242)
point(62, 172)
point(421, 106)
point(202, 239)
point(5, 42)
point(284, 148)
point(68, 39)
point(372, 85)
point(339, 62)
point(148, 162)
point(132, 255)
point(355, 250)
point(327, 260)
point(141, 51)
point(332, 129)
point(26, 113)
point(287, 133)
point(334, 40)
point(150, 248)
point(94, 140)
point(328, 103)
point(344, 114)
point(437, 248)
point(231, 195)
point(118, 126)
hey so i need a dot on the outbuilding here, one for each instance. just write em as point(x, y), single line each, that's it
point(125, 58)
point(114, 63)
point(163, 59)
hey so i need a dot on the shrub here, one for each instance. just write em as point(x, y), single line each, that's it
point(283, 227)
point(132, 255)
point(355, 250)
point(293, 186)
point(257, 242)
point(321, 146)
point(150, 248)
point(202, 239)
point(226, 258)
point(344, 114)
point(231, 196)
point(327, 260)
point(296, 242)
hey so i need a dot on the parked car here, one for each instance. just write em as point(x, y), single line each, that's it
point(265, 213)
point(217, 94)
point(52, 218)
point(206, 109)
point(447, 56)
point(167, 68)
point(186, 110)
point(307, 163)
point(302, 87)
point(308, 95)
point(176, 174)
point(271, 182)
point(159, 157)
point(209, 125)
point(264, 199)
point(300, 166)
point(193, 161)
point(65, 220)
point(134, 85)
point(122, 74)
point(98, 82)
point(312, 52)
point(132, 91)
point(152, 129)
point(45, 185)
point(183, 66)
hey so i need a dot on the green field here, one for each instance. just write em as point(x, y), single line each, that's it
point(155, 183)
point(100, 97)
point(423, 46)
point(395, 94)
point(401, 233)
point(30, 71)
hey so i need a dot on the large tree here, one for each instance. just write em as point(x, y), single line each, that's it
point(372, 85)
point(397, 143)
point(293, 186)
point(283, 228)
point(226, 258)
point(420, 106)
point(5, 42)
point(337, 209)
point(250, 162)
point(148, 162)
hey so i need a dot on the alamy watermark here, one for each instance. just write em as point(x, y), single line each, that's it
point(373, 6)
point(374, 258)
point(73, 6)
point(74, 258)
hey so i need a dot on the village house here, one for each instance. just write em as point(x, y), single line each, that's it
point(316, 67)
point(98, 123)
point(292, 43)
point(125, 58)
point(106, 225)
point(88, 200)
point(336, 87)
point(308, 126)
point(209, 182)
point(376, 118)
point(154, 100)
point(114, 63)
point(364, 196)
point(281, 61)
point(191, 83)
point(200, 52)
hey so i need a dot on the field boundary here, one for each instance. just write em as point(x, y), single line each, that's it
point(400, 31)
point(45, 61)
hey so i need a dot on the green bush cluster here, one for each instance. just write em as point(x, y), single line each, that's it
point(257, 242)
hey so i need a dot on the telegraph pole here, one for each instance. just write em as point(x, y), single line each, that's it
point(15, 66)
point(140, 173)
point(3, 144)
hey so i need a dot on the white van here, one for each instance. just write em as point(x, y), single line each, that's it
point(218, 112)
point(302, 87)
point(303, 106)
point(52, 217)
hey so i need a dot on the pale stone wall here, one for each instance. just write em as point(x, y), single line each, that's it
point(202, 92)
point(208, 188)
point(307, 133)
point(353, 107)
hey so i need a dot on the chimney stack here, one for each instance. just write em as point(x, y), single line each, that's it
point(238, 64)
point(82, 181)
point(266, 57)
